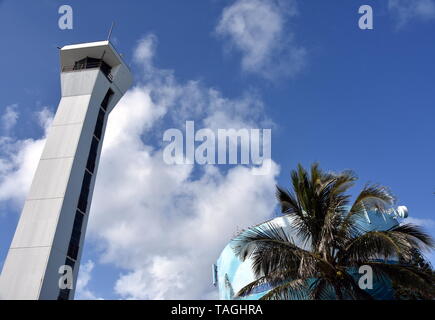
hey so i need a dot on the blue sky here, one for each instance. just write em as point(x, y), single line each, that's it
point(348, 98)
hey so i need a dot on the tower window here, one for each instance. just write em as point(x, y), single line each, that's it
point(63, 294)
point(100, 123)
point(106, 99)
point(91, 63)
point(84, 193)
point(92, 158)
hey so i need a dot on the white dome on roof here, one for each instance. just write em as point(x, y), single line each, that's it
point(402, 211)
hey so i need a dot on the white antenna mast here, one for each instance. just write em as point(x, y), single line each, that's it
point(110, 31)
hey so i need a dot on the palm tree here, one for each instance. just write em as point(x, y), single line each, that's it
point(332, 241)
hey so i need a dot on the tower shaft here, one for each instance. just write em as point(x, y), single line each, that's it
point(50, 234)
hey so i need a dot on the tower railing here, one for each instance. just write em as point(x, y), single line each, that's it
point(90, 65)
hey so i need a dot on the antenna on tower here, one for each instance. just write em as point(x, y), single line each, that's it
point(110, 31)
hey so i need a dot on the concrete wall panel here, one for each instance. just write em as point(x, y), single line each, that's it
point(38, 224)
point(51, 179)
point(23, 273)
point(71, 110)
point(62, 141)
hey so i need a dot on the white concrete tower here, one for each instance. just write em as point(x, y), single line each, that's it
point(52, 226)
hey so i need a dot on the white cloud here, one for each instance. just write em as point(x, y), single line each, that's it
point(257, 29)
point(165, 225)
point(9, 118)
point(173, 230)
point(18, 161)
point(85, 275)
point(162, 225)
point(45, 118)
point(427, 223)
point(408, 10)
point(145, 50)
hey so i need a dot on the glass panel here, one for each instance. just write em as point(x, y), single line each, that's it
point(92, 155)
point(99, 126)
point(106, 99)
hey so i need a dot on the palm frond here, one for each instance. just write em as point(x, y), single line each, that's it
point(273, 279)
point(409, 277)
point(400, 241)
point(414, 234)
point(266, 261)
point(270, 248)
point(320, 289)
point(315, 195)
point(266, 235)
point(372, 197)
point(291, 290)
point(290, 206)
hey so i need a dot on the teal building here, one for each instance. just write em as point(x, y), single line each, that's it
point(230, 274)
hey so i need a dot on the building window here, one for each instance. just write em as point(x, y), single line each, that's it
point(91, 63)
point(83, 202)
point(100, 123)
point(86, 184)
point(74, 243)
point(63, 294)
point(73, 248)
point(69, 262)
point(78, 223)
point(84, 193)
point(92, 158)
point(106, 99)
